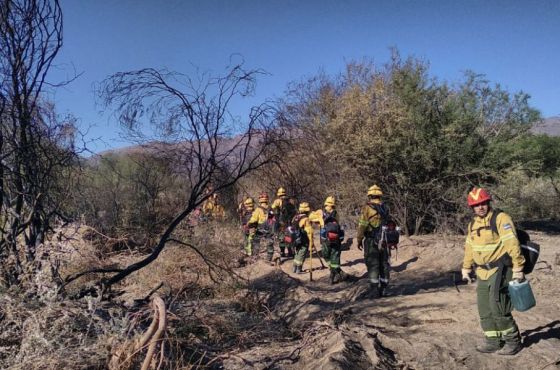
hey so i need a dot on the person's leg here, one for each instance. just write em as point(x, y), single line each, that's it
point(484, 298)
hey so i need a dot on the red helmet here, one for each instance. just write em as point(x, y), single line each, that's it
point(478, 196)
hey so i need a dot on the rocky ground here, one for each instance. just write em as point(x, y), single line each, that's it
point(428, 321)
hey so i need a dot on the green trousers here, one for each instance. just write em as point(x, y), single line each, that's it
point(301, 253)
point(254, 242)
point(377, 262)
point(285, 248)
point(495, 315)
point(331, 252)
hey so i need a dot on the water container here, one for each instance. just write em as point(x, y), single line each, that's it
point(521, 295)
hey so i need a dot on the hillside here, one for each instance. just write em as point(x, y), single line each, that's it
point(549, 126)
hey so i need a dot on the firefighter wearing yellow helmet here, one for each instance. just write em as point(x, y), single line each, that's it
point(492, 246)
point(245, 210)
point(260, 228)
point(331, 236)
point(372, 218)
point(302, 235)
point(284, 211)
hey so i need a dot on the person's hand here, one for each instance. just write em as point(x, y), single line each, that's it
point(360, 245)
point(519, 276)
point(466, 275)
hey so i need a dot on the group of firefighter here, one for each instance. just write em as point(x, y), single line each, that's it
point(290, 225)
point(492, 248)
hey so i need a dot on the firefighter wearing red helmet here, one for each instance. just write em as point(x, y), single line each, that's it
point(497, 257)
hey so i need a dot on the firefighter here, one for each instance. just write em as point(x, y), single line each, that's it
point(331, 236)
point(284, 211)
point(212, 209)
point(497, 257)
point(376, 254)
point(260, 227)
point(304, 239)
point(245, 210)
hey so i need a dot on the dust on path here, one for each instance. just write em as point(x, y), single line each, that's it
point(426, 322)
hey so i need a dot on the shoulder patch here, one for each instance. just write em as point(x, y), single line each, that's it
point(507, 226)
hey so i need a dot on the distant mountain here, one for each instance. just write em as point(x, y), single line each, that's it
point(549, 126)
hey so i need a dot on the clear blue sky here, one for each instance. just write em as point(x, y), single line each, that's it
point(515, 43)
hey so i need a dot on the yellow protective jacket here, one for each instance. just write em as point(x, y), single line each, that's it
point(318, 216)
point(277, 204)
point(484, 246)
point(369, 220)
point(208, 206)
point(259, 217)
point(305, 225)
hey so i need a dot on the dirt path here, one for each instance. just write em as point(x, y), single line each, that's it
point(426, 322)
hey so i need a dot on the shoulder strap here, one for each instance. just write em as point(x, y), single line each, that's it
point(493, 220)
point(380, 209)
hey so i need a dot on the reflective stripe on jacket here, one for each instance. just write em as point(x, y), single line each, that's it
point(483, 246)
point(369, 220)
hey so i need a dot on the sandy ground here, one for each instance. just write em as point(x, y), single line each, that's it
point(429, 319)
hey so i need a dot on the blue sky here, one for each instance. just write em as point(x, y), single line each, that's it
point(515, 43)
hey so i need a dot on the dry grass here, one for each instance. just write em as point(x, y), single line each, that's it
point(210, 310)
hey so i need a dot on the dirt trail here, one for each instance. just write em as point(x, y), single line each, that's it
point(426, 322)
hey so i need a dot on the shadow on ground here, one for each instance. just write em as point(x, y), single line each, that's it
point(544, 332)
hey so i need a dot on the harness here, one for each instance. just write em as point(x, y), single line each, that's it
point(373, 232)
point(501, 263)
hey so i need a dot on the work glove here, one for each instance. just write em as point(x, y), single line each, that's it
point(360, 245)
point(519, 276)
point(466, 275)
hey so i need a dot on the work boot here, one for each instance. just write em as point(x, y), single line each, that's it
point(510, 348)
point(374, 290)
point(333, 277)
point(298, 269)
point(294, 269)
point(341, 275)
point(489, 345)
point(382, 289)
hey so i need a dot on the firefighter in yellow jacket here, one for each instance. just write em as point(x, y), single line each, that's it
point(376, 255)
point(260, 228)
point(212, 209)
point(245, 211)
point(284, 211)
point(495, 252)
point(331, 235)
point(303, 238)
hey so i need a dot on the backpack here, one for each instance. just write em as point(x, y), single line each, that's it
point(287, 212)
point(294, 234)
point(332, 232)
point(267, 226)
point(529, 249)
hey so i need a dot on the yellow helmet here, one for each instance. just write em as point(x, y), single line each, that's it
point(330, 201)
point(281, 192)
point(249, 202)
point(374, 190)
point(263, 198)
point(304, 207)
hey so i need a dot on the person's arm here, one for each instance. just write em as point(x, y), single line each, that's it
point(363, 223)
point(468, 258)
point(309, 231)
point(317, 216)
point(508, 237)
